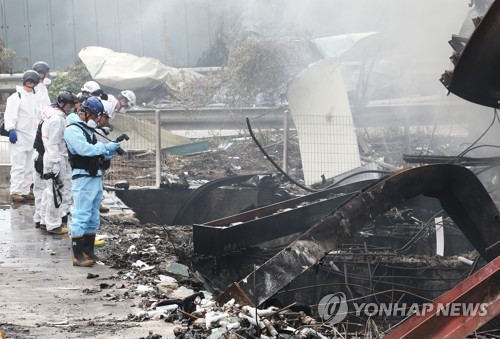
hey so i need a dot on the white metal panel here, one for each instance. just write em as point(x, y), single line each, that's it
point(322, 115)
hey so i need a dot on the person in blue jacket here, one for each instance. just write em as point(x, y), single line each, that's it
point(86, 157)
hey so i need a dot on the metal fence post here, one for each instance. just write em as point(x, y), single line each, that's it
point(158, 148)
point(285, 140)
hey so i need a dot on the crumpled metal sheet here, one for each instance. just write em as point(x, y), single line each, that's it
point(476, 77)
point(127, 71)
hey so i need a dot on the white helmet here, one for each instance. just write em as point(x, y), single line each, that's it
point(108, 108)
point(130, 96)
point(90, 86)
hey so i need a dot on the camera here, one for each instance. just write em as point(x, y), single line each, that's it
point(122, 137)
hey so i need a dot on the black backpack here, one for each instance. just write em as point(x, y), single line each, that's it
point(38, 146)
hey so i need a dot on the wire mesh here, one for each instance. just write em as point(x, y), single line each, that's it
point(328, 145)
point(137, 165)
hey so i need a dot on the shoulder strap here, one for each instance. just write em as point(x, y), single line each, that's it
point(85, 132)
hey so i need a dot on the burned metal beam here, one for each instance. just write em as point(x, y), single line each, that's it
point(480, 291)
point(205, 189)
point(445, 159)
point(459, 191)
point(270, 222)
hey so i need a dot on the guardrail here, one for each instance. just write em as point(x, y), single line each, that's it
point(8, 82)
point(216, 118)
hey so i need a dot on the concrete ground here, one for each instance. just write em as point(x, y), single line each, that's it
point(44, 296)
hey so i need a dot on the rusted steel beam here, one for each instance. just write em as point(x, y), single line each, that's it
point(459, 191)
point(459, 312)
point(476, 77)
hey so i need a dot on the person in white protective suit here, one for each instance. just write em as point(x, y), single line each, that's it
point(43, 102)
point(125, 100)
point(56, 168)
point(91, 88)
point(21, 121)
point(41, 91)
point(38, 181)
point(86, 155)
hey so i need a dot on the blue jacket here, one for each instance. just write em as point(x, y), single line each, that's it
point(77, 142)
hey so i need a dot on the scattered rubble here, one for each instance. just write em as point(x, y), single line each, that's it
point(148, 256)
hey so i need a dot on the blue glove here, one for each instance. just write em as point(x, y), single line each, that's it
point(12, 136)
point(112, 146)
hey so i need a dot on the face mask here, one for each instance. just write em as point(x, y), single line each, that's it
point(92, 123)
point(47, 81)
point(122, 110)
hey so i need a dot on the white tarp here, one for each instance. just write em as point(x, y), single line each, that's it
point(335, 46)
point(322, 115)
point(127, 71)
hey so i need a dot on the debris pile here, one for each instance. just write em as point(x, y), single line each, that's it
point(147, 257)
point(392, 259)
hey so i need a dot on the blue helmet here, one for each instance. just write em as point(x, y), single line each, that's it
point(94, 105)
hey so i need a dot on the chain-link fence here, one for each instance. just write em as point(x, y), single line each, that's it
point(137, 165)
point(328, 146)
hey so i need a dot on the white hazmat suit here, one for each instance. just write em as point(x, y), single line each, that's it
point(55, 160)
point(21, 115)
point(43, 102)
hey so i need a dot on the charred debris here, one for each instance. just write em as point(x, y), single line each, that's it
point(426, 224)
point(405, 238)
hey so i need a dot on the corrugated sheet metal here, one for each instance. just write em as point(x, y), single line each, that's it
point(174, 31)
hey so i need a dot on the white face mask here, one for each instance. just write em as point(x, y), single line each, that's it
point(92, 123)
point(47, 81)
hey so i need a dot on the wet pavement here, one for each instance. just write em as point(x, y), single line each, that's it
point(43, 295)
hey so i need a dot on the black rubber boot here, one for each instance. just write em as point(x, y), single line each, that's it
point(78, 258)
point(64, 220)
point(88, 248)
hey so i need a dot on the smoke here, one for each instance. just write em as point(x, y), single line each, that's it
point(405, 59)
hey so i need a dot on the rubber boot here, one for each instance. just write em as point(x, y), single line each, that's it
point(78, 258)
point(58, 230)
point(88, 248)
